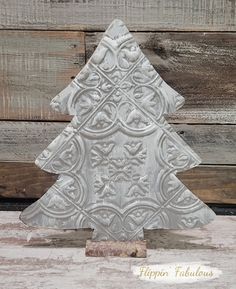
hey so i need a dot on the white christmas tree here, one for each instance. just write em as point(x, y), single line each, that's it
point(118, 157)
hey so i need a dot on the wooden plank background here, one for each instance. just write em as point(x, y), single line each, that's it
point(24, 141)
point(25, 180)
point(44, 44)
point(36, 65)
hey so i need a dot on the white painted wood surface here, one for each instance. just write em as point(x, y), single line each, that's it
point(49, 259)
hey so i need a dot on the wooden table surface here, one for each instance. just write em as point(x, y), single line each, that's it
point(45, 258)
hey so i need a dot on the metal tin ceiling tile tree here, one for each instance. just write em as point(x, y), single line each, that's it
point(117, 160)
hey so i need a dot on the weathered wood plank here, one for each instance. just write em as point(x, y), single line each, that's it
point(45, 258)
point(212, 184)
point(34, 67)
point(204, 15)
point(24, 141)
point(24, 180)
point(200, 66)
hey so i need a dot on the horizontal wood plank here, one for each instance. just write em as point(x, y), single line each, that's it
point(24, 180)
point(34, 67)
point(212, 184)
point(183, 15)
point(200, 66)
point(24, 141)
point(46, 258)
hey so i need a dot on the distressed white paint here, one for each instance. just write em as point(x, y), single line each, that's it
point(28, 265)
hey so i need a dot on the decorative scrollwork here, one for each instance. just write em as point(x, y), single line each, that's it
point(118, 157)
point(132, 117)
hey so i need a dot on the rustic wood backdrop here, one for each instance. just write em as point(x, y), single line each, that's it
point(44, 44)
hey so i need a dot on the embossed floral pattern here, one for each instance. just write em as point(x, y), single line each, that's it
point(118, 157)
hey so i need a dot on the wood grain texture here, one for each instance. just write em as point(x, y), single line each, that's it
point(204, 15)
point(46, 258)
point(135, 249)
point(24, 141)
point(24, 180)
point(212, 184)
point(34, 67)
point(200, 66)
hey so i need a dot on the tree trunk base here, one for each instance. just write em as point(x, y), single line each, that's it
point(135, 249)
